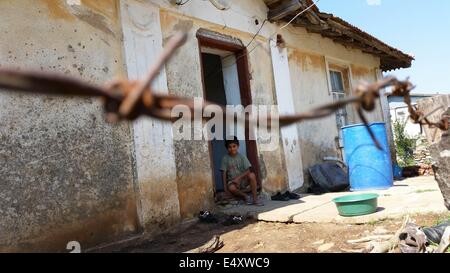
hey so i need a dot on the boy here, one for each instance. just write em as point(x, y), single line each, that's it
point(236, 174)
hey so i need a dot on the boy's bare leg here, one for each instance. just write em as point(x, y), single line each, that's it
point(236, 192)
point(253, 186)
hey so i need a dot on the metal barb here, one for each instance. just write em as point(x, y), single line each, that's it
point(124, 99)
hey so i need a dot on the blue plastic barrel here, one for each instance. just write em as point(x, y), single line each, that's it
point(369, 167)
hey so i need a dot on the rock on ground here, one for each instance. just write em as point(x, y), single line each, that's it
point(441, 155)
point(325, 247)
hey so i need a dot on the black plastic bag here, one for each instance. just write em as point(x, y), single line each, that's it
point(328, 177)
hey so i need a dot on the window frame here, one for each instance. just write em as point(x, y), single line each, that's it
point(346, 71)
point(342, 113)
point(341, 63)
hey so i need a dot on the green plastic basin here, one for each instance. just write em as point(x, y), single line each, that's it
point(357, 205)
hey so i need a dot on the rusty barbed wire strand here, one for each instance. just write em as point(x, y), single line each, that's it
point(128, 100)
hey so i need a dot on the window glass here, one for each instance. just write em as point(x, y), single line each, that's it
point(337, 84)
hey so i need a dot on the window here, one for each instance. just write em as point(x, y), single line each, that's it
point(338, 91)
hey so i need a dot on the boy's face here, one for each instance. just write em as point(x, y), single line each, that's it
point(233, 149)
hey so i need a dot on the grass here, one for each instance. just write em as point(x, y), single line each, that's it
point(434, 245)
point(442, 220)
point(424, 191)
point(375, 222)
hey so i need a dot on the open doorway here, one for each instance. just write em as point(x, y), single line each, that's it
point(225, 82)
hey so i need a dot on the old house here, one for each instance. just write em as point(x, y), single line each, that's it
point(66, 175)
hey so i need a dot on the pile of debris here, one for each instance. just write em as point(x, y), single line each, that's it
point(410, 238)
point(423, 158)
point(426, 170)
point(422, 155)
point(419, 170)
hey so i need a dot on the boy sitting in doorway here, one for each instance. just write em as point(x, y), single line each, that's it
point(236, 174)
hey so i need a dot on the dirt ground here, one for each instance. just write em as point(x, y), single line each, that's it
point(262, 237)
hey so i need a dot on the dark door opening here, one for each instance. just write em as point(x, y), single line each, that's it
point(224, 92)
point(226, 82)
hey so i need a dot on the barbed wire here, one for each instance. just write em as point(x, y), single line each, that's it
point(128, 100)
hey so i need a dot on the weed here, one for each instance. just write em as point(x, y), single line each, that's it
point(425, 191)
point(404, 145)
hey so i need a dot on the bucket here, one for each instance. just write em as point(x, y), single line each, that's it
point(369, 168)
point(357, 205)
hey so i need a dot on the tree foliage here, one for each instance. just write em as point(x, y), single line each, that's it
point(404, 145)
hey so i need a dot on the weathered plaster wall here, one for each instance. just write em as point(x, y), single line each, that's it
point(65, 174)
point(362, 73)
point(194, 172)
point(153, 140)
point(310, 88)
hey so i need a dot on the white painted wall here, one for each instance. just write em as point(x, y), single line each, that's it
point(289, 135)
point(153, 140)
point(399, 112)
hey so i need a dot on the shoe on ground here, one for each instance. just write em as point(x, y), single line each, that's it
point(233, 220)
point(280, 197)
point(291, 195)
point(207, 217)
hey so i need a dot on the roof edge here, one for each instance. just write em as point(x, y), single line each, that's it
point(340, 31)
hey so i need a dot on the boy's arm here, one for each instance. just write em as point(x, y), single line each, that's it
point(224, 179)
point(240, 177)
point(247, 166)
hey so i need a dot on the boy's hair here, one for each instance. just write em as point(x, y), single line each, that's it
point(229, 142)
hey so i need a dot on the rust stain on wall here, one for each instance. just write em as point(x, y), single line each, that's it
point(184, 25)
point(159, 206)
point(193, 195)
point(108, 8)
point(275, 183)
point(360, 72)
point(58, 10)
point(170, 20)
point(96, 20)
point(102, 15)
point(306, 61)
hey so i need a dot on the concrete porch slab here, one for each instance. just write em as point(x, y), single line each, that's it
point(411, 196)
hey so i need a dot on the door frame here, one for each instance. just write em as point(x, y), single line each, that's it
point(241, 53)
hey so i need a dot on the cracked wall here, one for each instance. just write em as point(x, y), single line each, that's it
point(65, 174)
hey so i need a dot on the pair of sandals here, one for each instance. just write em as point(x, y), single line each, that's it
point(209, 218)
point(285, 196)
